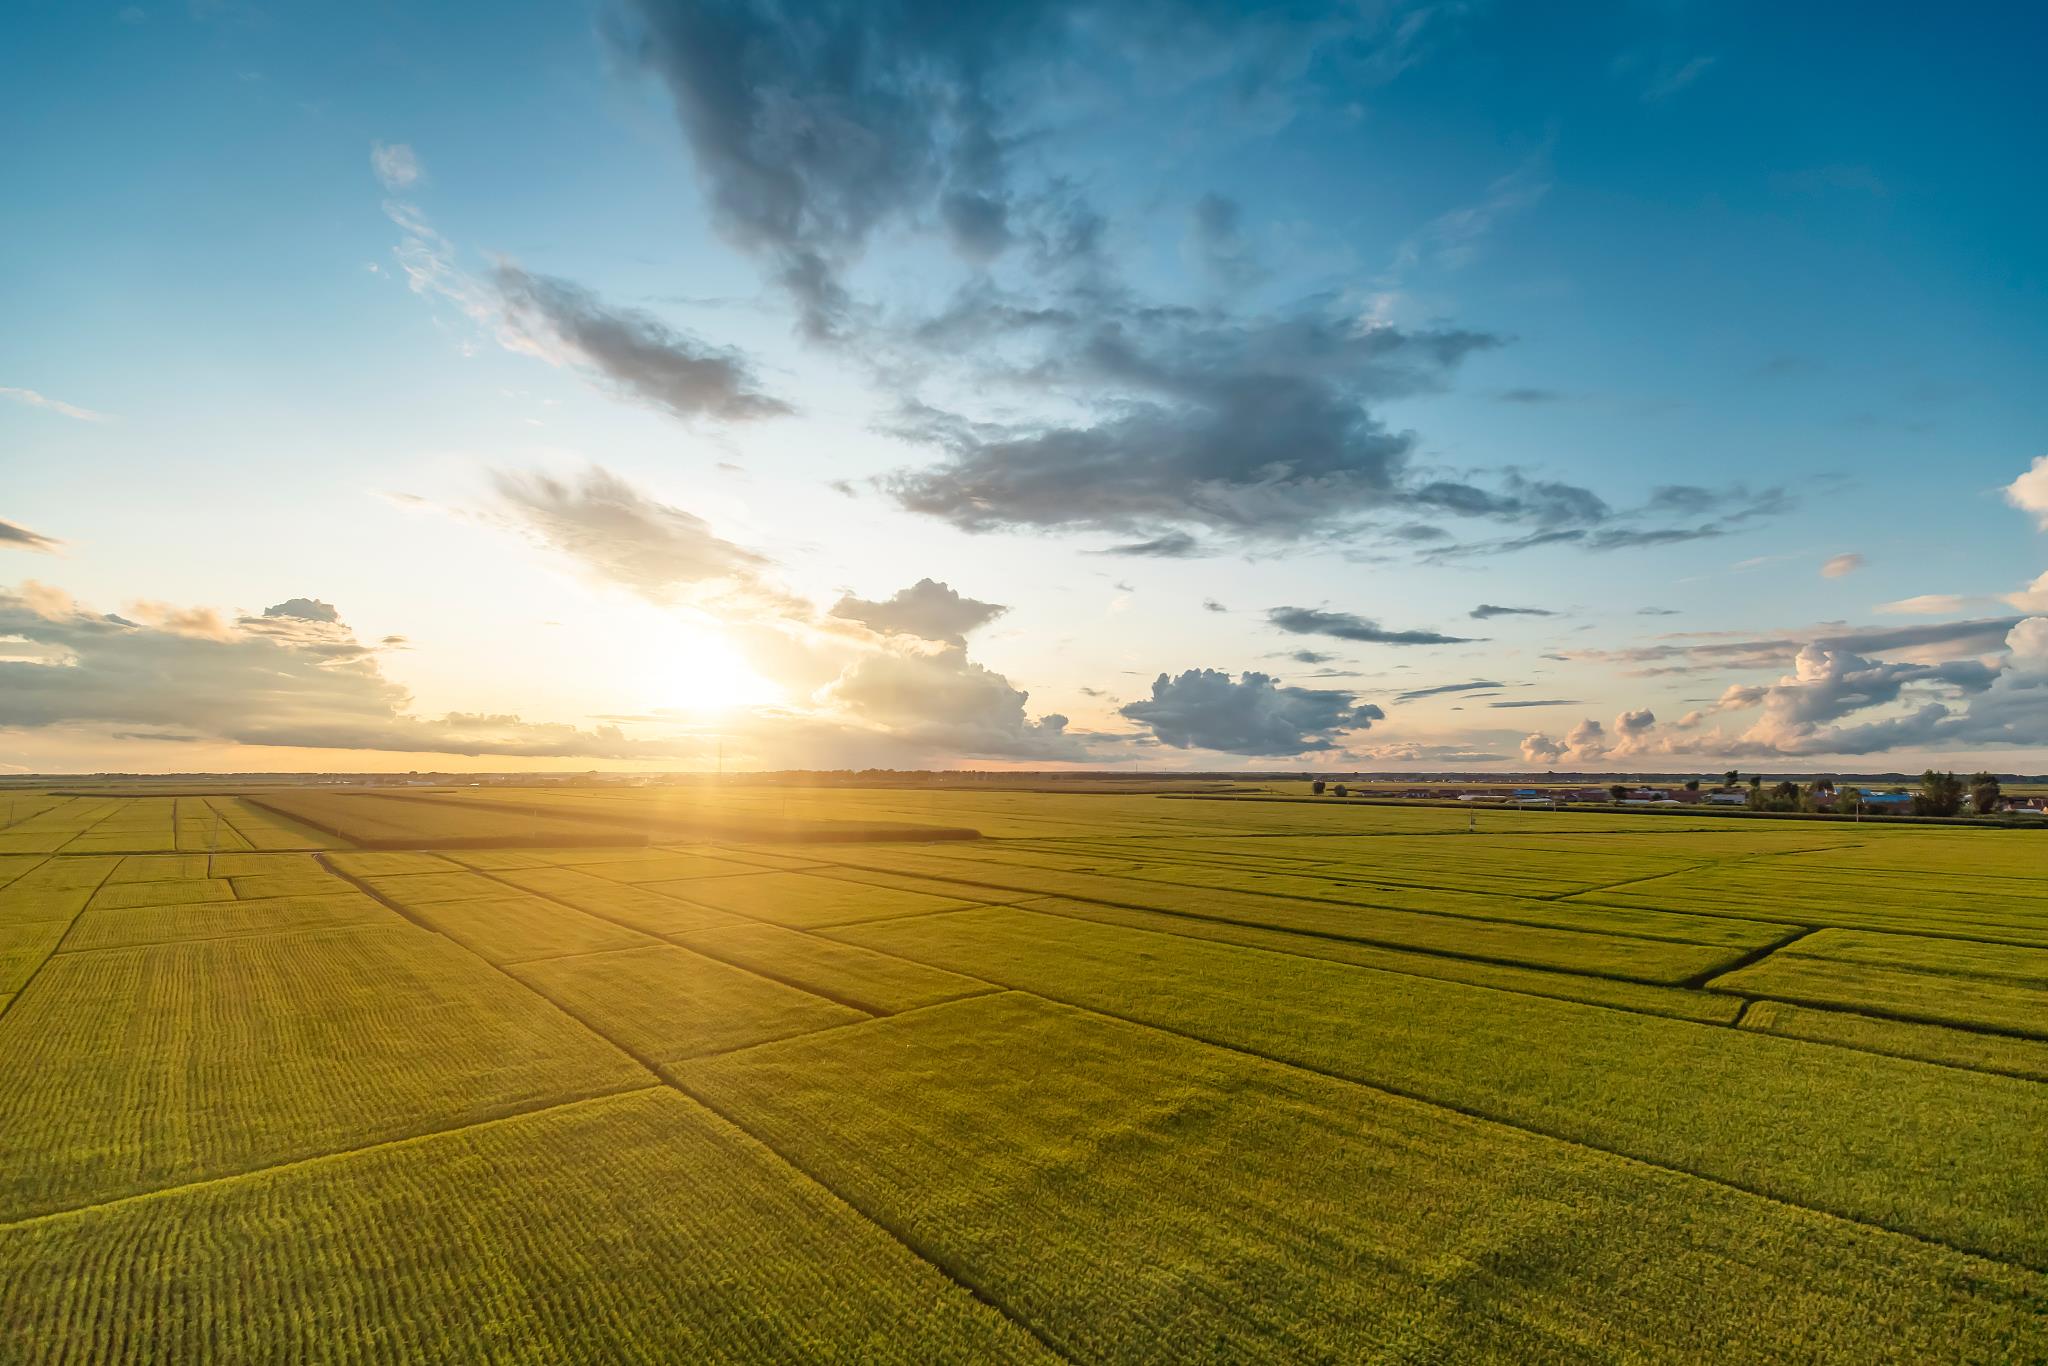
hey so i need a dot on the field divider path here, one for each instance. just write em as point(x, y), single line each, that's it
point(540, 1107)
point(668, 1079)
point(58, 947)
point(1561, 973)
point(1748, 960)
point(1474, 1113)
point(946, 1266)
point(1618, 933)
point(1391, 945)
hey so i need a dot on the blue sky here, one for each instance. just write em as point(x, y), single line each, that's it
point(637, 379)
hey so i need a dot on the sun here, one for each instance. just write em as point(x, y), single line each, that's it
point(698, 670)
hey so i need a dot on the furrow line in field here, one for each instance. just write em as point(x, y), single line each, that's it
point(946, 1266)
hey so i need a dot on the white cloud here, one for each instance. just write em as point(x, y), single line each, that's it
point(396, 166)
point(2029, 492)
point(1927, 605)
point(1841, 565)
point(70, 410)
point(2032, 598)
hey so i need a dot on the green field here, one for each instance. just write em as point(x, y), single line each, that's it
point(755, 1073)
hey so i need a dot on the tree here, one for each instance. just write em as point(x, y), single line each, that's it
point(1728, 778)
point(1984, 793)
point(1317, 787)
point(1756, 782)
point(1941, 794)
point(1692, 784)
point(1617, 791)
point(1849, 799)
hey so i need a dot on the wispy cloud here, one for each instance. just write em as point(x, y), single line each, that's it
point(55, 405)
point(21, 538)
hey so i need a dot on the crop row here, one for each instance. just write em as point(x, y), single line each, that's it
point(1131, 1194)
point(1946, 1154)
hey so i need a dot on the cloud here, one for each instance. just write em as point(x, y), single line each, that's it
point(927, 609)
point(1309, 656)
point(1537, 702)
point(2032, 598)
point(2028, 493)
point(1260, 428)
point(1416, 694)
point(1216, 240)
point(1211, 605)
point(1174, 545)
point(1529, 397)
point(1658, 612)
point(948, 702)
point(1541, 749)
point(19, 537)
point(58, 406)
point(1205, 709)
point(304, 609)
point(278, 680)
point(621, 535)
point(566, 325)
point(1307, 621)
point(1841, 565)
point(1926, 605)
point(814, 129)
point(1670, 79)
point(396, 167)
point(1486, 611)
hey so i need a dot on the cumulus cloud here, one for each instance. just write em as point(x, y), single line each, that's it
point(396, 167)
point(1841, 565)
point(565, 324)
point(927, 609)
point(620, 535)
point(1308, 621)
point(304, 609)
point(2032, 598)
point(1207, 709)
point(19, 537)
point(948, 702)
point(2029, 492)
point(1487, 611)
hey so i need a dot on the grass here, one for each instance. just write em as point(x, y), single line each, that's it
point(636, 1227)
point(1903, 1039)
point(126, 928)
point(1128, 1191)
point(1937, 998)
point(859, 977)
point(145, 1067)
point(664, 1003)
point(801, 901)
point(1182, 1076)
point(1853, 1134)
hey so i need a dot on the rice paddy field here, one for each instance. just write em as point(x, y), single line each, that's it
point(753, 1073)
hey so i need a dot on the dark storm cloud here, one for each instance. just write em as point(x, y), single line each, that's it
point(1206, 709)
point(636, 351)
point(1486, 611)
point(1309, 621)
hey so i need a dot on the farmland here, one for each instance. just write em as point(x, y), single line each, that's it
point(761, 1073)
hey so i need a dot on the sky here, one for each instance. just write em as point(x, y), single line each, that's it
point(666, 385)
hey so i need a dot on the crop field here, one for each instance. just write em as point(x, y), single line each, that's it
point(973, 1073)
